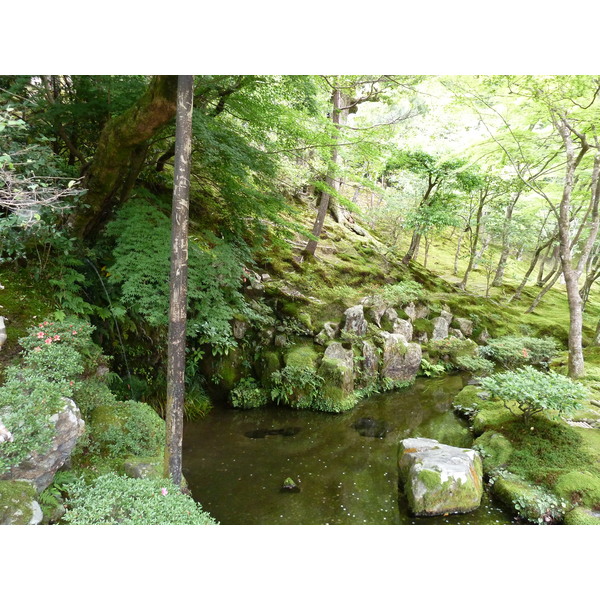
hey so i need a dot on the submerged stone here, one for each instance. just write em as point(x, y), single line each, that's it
point(439, 479)
point(368, 427)
point(263, 433)
point(289, 485)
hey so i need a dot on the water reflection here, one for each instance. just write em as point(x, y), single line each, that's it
point(237, 461)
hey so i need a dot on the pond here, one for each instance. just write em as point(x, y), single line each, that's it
point(345, 466)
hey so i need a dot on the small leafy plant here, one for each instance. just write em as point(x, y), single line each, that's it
point(513, 351)
point(533, 391)
point(248, 394)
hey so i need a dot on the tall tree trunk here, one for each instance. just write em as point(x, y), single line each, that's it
point(544, 291)
point(330, 180)
point(457, 253)
point(116, 163)
point(499, 276)
point(463, 283)
point(178, 280)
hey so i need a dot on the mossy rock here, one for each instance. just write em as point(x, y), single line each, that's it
point(18, 504)
point(270, 361)
point(491, 417)
point(229, 369)
point(144, 467)
point(469, 402)
point(582, 516)
point(446, 428)
point(580, 488)
point(302, 356)
point(496, 450)
point(422, 326)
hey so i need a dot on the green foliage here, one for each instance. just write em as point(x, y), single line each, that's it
point(451, 349)
point(126, 428)
point(118, 500)
point(475, 364)
point(52, 497)
point(430, 369)
point(403, 292)
point(248, 394)
point(512, 351)
point(534, 392)
point(299, 387)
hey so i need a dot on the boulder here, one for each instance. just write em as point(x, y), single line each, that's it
point(355, 320)
point(484, 336)
point(337, 371)
point(411, 311)
point(439, 479)
point(335, 351)
point(421, 338)
point(404, 327)
point(375, 307)
point(18, 505)
point(142, 467)
point(370, 363)
point(447, 316)
point(440, 328)
point(39, 468)
point(401, 360)
point(421, 311)
point(239, 329)
point(466, 326)
point(329, 332)
point(457, 333)
point(5, 434)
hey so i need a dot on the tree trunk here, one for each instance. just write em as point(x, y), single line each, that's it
point(543, 292)
point(457, 254)
point(534, 261)
point(117, 163)
point(178, 280)
point(330, 180)
point(499, 276)
point(472, 257)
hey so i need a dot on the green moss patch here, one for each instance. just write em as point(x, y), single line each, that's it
point(16, 498)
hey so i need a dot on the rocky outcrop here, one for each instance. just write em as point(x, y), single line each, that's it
point(465, 326)
point(18, 505)
point(355, 320)
point(457, 333)
point(337, 371)
point(440, 328)
point(370, 364)
point(329, 332)
point(40, 468)
point(403, 327)
point(375, 307)
point(411, 311)
point(401, 360)
point(439, 479)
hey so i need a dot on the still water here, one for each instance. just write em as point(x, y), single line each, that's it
point(236, 461)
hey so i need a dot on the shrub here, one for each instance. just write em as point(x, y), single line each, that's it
point(475, 364)
point(247, 394)
point(120, 500)
point(534, 391)
point(403, 292)
point(512, 352)
point(299, 387)
point(126, 428)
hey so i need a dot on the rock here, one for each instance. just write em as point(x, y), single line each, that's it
point(375, 307)
point(421, 338)
point(18, 505)
point(484, 336)
point(457, 333)
point(239, 329)
point(265, 277)
point(411, 311)
point(421, 311)
point(368, 427)
point(440, 479)
point(440, 328)
point(329, 332)
point(281, 341)
point(447, 316)
point(39, 469)
point(292, 293)
point(355, 320)
point(5, 434)
point(289, 485)
point(404, 327)
point(466, 326)
point(144, 467)
point(370, 363)
point(401, 360)
point(335, 351)
point(3, 336)
point(337, 369)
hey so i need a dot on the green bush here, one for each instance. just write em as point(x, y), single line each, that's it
point(475, 364)
point(119, 500)
point(126, 428)
point(403, 292)
point(512, 351)
point(27, 401)
point(299, 387)
point(248, 394)
point(534, 392)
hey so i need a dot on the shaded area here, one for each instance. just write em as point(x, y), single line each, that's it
point(344, 477)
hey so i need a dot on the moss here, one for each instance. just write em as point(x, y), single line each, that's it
point(580, 488)
point(16, 498)
point(582, 516)
point(491, 417)
point(496, 450)
point(430, 479)
point(270, 362)
point(446, 428)
point(302, 356)
point(422, 326)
